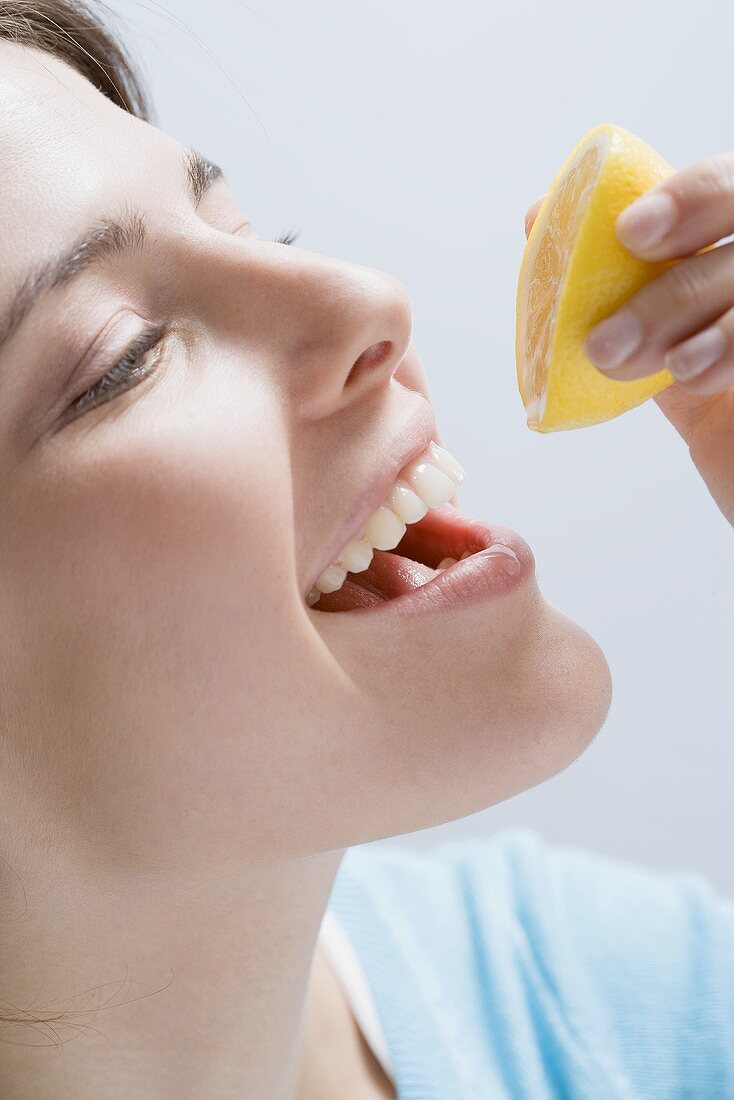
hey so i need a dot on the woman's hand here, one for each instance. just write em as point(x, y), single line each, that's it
point(684, 318)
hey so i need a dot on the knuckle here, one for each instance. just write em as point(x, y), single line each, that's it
point(683, 286)
point(683, 282)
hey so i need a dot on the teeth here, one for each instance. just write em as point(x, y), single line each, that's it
point(333, 577)
point(466, 554)
point(406, 504)
point(432, 485)
point(429, 482)
point(384, 530)
point(356, 555)
point(446, 463)
point(446, 563)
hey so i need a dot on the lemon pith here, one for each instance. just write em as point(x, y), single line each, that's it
point(574, 273)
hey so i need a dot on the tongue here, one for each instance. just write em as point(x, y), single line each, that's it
point(389, 575)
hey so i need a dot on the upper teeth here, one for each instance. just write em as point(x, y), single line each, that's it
point(407, 504)
point(428, 482)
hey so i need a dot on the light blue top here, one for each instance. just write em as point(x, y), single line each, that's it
point(507, 968)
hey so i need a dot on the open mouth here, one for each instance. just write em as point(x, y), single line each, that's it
point(417, 560)
point(418, 552)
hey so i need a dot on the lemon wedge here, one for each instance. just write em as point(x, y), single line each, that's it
point(574, 273)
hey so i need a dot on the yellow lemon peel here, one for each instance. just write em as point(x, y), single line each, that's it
point(574, 273)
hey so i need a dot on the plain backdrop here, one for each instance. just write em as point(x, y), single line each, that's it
point(412, 136)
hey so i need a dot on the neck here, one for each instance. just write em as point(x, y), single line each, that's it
point(155, 991)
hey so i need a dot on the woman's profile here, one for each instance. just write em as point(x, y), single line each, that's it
point(231, 650)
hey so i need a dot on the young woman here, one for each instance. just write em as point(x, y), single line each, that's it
point(202, 709)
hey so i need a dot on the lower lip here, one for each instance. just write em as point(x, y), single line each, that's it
point(488, 575)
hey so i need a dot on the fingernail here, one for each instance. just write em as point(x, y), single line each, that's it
point(697, 354)
point(613, 341)
point(646, 221)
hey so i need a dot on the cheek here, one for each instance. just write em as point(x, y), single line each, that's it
point(149, 585)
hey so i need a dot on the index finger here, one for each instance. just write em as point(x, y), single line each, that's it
point(691, 209)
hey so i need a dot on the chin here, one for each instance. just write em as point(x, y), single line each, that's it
point(477, 729)
point(569, 700)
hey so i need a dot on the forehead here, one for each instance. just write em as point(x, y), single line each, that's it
point(67, 154)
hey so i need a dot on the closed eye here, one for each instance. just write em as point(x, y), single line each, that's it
point(137, 363)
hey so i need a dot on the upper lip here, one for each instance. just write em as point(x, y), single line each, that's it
point(409, 440)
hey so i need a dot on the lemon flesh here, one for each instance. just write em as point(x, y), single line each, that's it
point(574, 273)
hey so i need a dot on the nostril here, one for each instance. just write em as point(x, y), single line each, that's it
point(373, 356)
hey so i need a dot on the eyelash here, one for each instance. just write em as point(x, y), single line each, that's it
point(287, 238)
point(124, 374)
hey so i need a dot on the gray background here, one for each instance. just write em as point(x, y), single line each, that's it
point(412, 136)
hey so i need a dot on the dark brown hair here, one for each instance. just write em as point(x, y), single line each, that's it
point(79, 35)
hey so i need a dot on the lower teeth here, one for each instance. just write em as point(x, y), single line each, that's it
point(314, 595)
point(451, 561)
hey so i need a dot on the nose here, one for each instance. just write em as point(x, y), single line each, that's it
point(332, 330)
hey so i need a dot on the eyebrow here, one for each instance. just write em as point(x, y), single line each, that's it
point(108, 237)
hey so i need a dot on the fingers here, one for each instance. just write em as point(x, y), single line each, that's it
point(671, 309)
point(689, 210)
point(532, 214)
point(683, 319)
point(704, 364)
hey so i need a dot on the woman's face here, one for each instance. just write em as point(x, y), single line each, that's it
point(167, 691)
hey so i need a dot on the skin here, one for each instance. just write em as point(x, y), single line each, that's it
point(186, 748)
point(687, 299)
